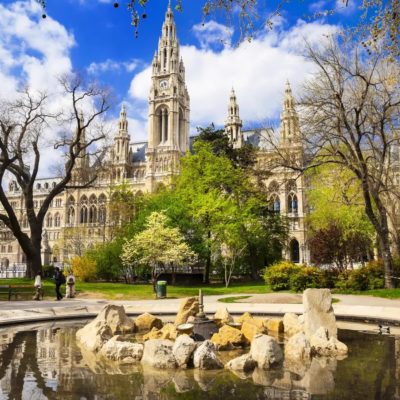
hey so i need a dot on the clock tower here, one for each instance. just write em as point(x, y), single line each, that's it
point(169, 108)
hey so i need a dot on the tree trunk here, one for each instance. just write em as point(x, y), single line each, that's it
point(206, 275)
point(33, 265)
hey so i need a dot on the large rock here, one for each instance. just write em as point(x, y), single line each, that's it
point(243, 363)
point(245, 317)
point(146, 322)
point(325, 345)
point(292, 324)
point(205, 357)
point(274, 325)
point(298, 347)
point(124, 352)
point(318, 312)
point(110, 321)
point(168, 331)
point(183, 349)
point(189, 307)
point(222, 316)
point(251, 328)
point(265, 351)
point(228, 338)
point(158, 354)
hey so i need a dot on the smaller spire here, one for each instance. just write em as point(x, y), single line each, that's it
point(81, 118)
point(233, 94)
point(288, 102)
point(122, 113)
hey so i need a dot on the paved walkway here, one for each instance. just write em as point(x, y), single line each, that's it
point(361, 308)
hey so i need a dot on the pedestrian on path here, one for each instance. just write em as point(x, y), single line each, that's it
point(38, 287)
point(59, 279)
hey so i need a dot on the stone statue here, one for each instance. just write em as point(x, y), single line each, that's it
point(70, 287)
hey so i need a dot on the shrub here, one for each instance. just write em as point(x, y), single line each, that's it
point(369, 276)
point(277, 276)
point(48, 271)
point(329, 277)
point(84, 268)
point(305, 277)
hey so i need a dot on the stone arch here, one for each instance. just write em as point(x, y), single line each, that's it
point(57, 220)
point(162, 124)
point(294, 250)
point(71, 215)
point(292, 203)
point(49, 220)
point(181, 127)
point(71, 200)
point(275, 203)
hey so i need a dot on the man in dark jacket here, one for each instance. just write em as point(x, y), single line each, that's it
point(60, 280)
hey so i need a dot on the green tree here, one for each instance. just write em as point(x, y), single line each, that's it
point(156, 246)
point(341, 232)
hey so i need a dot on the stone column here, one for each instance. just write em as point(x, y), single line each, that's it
point(163, 127)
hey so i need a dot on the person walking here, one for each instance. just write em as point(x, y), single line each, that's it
point(59, 279)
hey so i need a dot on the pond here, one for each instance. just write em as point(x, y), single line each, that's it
point(45, 362)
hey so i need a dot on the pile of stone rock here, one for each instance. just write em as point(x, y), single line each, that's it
point(113, 335)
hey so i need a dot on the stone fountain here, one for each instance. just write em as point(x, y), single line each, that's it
point(204, 327)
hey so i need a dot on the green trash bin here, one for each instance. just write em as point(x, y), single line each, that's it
point(161, 289)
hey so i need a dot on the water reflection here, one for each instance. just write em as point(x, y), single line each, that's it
point(45, 362)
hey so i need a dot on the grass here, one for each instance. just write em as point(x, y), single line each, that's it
point(233, 299)
point(122, 291)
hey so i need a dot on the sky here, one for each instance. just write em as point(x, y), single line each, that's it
point(93, 37)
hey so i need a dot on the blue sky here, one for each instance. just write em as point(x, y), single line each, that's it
point(94, 37)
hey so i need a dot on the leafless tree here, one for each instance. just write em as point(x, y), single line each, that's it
point(350, 113)
point(23, 127)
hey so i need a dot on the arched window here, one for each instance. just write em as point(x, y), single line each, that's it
point(275, 203)
point(162, 125)
point(181, 128)
point(71, 201)
point(24, 221)
point(71, 216)
point(102, 217)
point(84, 214)
point(294, 249)
point(57, 220)
point(292, 203)
point(49, 221)
point(93, 214)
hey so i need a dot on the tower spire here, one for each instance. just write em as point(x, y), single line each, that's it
point(290, 130)
point(233, 123)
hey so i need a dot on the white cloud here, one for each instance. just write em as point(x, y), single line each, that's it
point(329, 7)
point(258, 71)
point(33, 51)
point(212, 34)
point(112, 65)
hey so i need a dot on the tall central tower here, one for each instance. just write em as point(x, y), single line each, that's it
point(169, 108)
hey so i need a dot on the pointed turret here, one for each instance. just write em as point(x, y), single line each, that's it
point(290, 131)
point(120, 153)
point(233, 123)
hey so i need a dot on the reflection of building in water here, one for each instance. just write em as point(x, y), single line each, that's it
point(6, 340)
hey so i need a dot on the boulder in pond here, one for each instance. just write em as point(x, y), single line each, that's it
point(157, 353)
point(110, 321)
point(122, 351)
point(318, 312)
point(183, 349)
point(189, 307)
point(146, 322)
point(266, 351)
point(205, 357)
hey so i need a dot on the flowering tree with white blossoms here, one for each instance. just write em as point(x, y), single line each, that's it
point(157, 246)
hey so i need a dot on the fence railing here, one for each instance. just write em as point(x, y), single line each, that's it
point(15, 270)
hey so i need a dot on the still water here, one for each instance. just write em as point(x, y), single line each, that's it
point(45, 362)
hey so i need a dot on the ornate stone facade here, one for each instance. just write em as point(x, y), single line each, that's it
point(77, 219)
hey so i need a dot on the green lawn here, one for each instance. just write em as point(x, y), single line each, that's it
point(114, 291)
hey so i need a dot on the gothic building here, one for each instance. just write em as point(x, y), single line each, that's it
point(78, 218)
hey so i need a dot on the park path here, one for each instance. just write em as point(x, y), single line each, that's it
point(349, 307)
